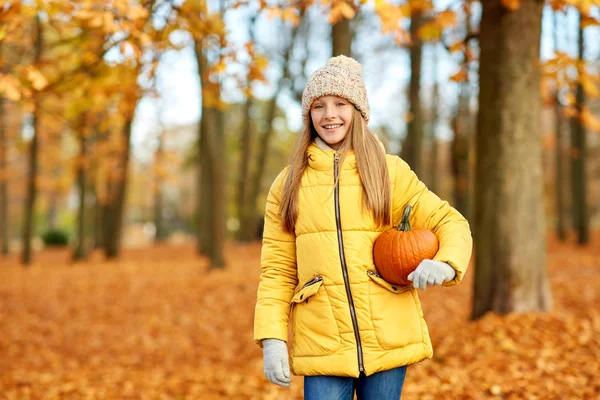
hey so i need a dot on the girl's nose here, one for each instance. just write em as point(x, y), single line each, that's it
point(330, 113)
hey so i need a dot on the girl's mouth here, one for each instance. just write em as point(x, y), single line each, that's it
point(332, 127)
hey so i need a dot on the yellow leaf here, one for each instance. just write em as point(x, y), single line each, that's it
point(558, 5)
point(446, 19)
point(126, 46)
point(496, 390)
point(403, 38)
point(430, 32)
point(29, 106)
point(273, 12)
point(219, 67)
point(569, 111)
point(458, 46)
point(512, 5)
point(261, 62)
point(589, 86)
point(584, 6)
point(9, 85)
point(85, 14)
point(137, 12)
point(145, 39)
point(108, 20)
point(291, 15)
point(391, 15)
point(37, 79)
point(589, 120)
point(589, 21)
point(422, 6)
point(547, 91)
point(569, 99)
point(460, 76)
point(341, 9)
point(96, 21)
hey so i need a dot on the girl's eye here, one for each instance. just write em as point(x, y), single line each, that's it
point(341, 104)
point(318, 106)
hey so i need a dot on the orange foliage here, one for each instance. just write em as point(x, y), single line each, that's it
point(340, 10)
point(158, 324)
point(512, 5)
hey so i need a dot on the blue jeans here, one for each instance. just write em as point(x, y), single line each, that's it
point(384, 385)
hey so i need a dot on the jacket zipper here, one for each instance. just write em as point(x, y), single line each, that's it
point(343, 260)
point(374, 274)
point(314, 280)
point(317, 278)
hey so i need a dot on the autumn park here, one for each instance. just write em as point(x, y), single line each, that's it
point(139, 140)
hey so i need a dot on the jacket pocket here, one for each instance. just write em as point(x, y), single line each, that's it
point(394, 313)
point(385, 284)
point(314, 328)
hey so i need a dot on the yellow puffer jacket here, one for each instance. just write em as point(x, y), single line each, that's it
point(345, 318)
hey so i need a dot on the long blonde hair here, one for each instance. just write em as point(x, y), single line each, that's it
point(370, 161)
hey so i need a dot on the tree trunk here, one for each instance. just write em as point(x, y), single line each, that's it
point(4, 239)
point(80, 250)
point(204, 173)
point(250, 225)
point(561, 226)
point(341, 38)
point(462, 126)
point(433, 173)
point(412, 148)
point(219, 200)
point(212, 231)
point(28, 221)
point(52, 210)
point(252, 219)
point(160, 233)
point(510, 273)
point(578, 150)
point(97, 208)
point(100, 214)
point(243, 204)
point(114, 220)
point(462, 144)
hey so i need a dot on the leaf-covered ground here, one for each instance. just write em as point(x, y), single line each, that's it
point(158, 325)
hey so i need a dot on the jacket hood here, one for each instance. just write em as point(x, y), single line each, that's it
point(321, 157)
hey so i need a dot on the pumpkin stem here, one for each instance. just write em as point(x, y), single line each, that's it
point(404, 224)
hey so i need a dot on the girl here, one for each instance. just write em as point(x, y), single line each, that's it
point(352, 330)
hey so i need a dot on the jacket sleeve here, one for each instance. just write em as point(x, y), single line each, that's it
point(278, 277)
point(430, 212)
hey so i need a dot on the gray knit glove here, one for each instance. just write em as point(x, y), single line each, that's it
point(275, 358)
point(431, 272)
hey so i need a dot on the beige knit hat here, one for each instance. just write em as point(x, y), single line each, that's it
point(341, 76)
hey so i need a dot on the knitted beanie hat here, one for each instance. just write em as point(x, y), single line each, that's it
point(341, 76)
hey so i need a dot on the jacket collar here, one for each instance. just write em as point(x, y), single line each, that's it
point(322, 157)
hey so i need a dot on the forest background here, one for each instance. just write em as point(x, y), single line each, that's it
point(138, 140)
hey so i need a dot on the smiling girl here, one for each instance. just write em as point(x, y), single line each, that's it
point(352, 330)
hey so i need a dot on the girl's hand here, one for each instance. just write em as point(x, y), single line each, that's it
point(276, 364)
point(430, 272)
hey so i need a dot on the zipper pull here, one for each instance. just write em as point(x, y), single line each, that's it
point(316, 279)
point(373, 273)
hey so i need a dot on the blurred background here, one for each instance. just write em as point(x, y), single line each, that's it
point(143, 136)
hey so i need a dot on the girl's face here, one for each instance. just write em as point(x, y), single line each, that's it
point(332, 116)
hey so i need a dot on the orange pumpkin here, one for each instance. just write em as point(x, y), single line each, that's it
point(398, 252)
